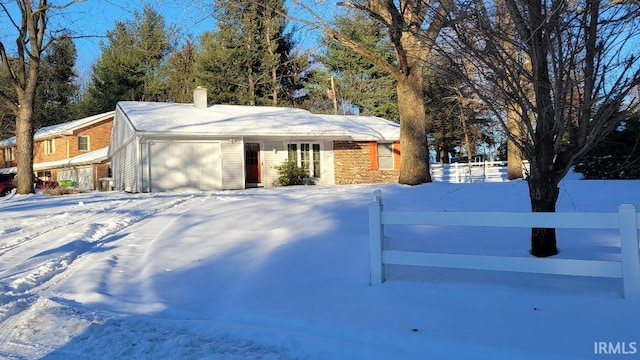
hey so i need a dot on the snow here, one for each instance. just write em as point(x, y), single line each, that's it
point(237, 120)
point(282, 273)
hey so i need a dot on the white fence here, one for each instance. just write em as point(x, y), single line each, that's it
point(626, 220)
point(485, 171)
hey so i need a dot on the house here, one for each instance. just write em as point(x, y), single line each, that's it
point(75, 152)
point(159, 147)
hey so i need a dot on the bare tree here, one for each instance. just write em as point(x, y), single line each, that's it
point(562, 68)
point(413, 27)
point(29, 21)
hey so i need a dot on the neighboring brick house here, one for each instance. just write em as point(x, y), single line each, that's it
point(75, 152)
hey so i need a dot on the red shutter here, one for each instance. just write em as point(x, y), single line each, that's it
point(396, 155)
point(373, 155)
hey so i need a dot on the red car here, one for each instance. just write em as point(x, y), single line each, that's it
point(7, 184)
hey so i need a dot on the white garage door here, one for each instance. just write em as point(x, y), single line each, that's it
point(185, 166)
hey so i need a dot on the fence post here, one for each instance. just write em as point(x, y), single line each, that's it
point(629, 249)
point(376, 239)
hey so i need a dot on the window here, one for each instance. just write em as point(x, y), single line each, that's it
point(316, 160)
point(385, 156)
point(46, 175)
point(293, 152)
point(50, 146)
point(83, 143)
point(8, 154)
point(306, 156)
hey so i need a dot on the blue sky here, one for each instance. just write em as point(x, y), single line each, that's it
point(89, 21)
point(92, 19)
point(95, 18)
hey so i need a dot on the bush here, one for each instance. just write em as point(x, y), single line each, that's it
point(289, 173)
point(60, 190)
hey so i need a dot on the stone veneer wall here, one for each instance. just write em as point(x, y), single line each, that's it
point(353, 165)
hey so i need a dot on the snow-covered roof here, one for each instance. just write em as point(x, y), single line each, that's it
point(235, 120)
point(61, 129)
point(365, 127)
point(91, 157)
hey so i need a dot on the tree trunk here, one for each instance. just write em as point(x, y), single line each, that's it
point(414, 169)
point(24, 149)
point(543, 192)
point(514, 154)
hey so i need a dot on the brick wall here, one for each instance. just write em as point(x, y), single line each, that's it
point(352, 162)
point(6, 164)
point(66, 146)
point(99, 136)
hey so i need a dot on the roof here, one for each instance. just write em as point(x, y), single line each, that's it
point(365, 127)
point(66, 128)
point(236, 120)
point(92, 157)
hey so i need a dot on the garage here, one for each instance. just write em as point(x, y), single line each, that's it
point(185, 166)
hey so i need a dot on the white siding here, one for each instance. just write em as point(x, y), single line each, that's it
point(327, 173)
point(233, 165)
point(82, 177)
point(273, 154)
point(125, 168)
point(121, 132)
point(123, 152)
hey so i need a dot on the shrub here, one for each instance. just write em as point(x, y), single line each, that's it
point(289, 173)
point(60, 190)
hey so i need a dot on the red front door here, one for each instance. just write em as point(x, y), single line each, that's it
point(252, 163)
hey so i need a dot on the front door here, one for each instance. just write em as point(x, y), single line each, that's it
point(252, 163)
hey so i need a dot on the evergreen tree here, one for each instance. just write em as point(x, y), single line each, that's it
point(180, 73)
point(617, 156)
point(7, 116)
point(358, 81)
point(56, 92)
point(57, 88)
point(247, 60)
point(130, 65)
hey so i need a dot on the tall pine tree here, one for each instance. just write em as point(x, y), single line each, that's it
point(358, 81)
point(247, 60)
point(180, 68)
point(58, 87)
point(131, 62)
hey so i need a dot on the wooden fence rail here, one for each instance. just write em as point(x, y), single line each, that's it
point(626, 220)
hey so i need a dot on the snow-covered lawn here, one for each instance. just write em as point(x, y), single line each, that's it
point(282, 273)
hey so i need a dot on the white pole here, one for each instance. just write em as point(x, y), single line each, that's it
point(376, 239)
point(629, 249)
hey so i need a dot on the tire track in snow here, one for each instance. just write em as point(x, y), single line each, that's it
point(21, 292)
point(55, 221)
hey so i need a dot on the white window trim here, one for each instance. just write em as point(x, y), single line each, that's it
point(9, 154)
point(299, 155)
point(392, 156)
point(88, 142)
point(50, 146)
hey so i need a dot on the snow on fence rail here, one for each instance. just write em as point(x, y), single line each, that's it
point(626, 220)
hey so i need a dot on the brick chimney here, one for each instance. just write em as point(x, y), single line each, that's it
point(200, 97)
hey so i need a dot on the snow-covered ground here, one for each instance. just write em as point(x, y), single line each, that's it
point(282, 273)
